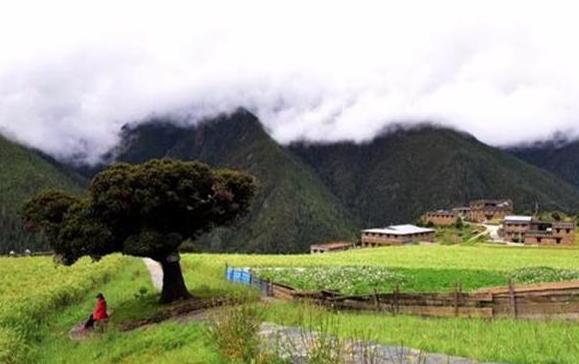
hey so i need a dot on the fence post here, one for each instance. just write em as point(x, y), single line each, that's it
point(376, 300)
point(513, 298)
point(396, 294)
point(456, 292)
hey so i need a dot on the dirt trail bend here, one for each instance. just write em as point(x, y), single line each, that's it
point(156, 272)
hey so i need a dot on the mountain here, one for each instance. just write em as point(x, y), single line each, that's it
point(317, 192)
point(308, 192)
point(292, 208)
point(404, 172)
point(25, 172)
point(558, 157)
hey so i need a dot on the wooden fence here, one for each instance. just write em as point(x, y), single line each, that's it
point(548, 300)
point(545, 300)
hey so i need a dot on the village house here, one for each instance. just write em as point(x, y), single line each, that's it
point(330, 247)
point(395, 235)
point(487, 210)
point(525, 229)
point(440, 218)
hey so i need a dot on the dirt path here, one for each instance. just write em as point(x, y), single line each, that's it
point(156, 272)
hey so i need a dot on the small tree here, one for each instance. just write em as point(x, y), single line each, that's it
point(145, 210)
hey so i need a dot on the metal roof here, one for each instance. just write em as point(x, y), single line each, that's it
point(400, 230)
point(518, 218)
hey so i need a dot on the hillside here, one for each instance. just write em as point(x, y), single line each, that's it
point(399, 175)
point(560, 158)
point(24, 173)
point(292, 208)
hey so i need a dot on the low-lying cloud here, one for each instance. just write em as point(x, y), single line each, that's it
point(71, 75)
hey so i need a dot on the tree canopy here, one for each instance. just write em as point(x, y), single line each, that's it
point(145, 210)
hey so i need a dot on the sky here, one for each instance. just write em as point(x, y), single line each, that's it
point(73, 72)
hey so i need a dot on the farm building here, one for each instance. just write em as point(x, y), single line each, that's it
point(486, 210)
point(330, 247)
point(440, 218)
point(527, 230)
point(395, 235)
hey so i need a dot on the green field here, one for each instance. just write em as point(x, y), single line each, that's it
point(33, 290)
point(43, 329)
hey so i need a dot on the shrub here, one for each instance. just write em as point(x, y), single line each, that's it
point(235, 332)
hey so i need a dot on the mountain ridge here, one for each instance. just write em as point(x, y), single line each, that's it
point(316, 192)
point(560, 157)
point(25, 172)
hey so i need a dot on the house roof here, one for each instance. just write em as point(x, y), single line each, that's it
point(518, 218)
point(400, 230)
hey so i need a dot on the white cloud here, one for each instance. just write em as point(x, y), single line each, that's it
point(71, 74)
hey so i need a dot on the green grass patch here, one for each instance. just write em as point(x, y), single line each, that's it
point(509, 341)
point(168, 342)
point(34, 290)
point(493, 258)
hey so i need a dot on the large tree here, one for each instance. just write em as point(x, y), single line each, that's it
point(145, 210)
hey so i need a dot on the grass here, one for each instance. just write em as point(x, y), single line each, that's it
point(497, 340)
point(168, 342)
point(493, 340)
point(32, 290)
point(452, 235)
point(500, 340)
point(493, 258)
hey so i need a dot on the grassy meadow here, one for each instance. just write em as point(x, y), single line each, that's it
point(40, 333)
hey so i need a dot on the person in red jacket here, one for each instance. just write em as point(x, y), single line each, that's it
point(99, 312)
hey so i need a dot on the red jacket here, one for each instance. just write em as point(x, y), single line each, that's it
point(100, 311)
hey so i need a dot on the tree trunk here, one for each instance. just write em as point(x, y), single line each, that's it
point(173, 283)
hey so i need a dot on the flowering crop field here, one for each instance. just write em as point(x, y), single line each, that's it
point(349, 280)
point(415, 268)
point(33, 289)
point(356, 280)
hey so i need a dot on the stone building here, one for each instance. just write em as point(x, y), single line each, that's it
point(440, 218)
point(486, 210)
point(330, 247)
point(515, 228)
point(395, 235)
point(525, 229)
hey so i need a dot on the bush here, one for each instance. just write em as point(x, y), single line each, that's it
point(235, 332)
